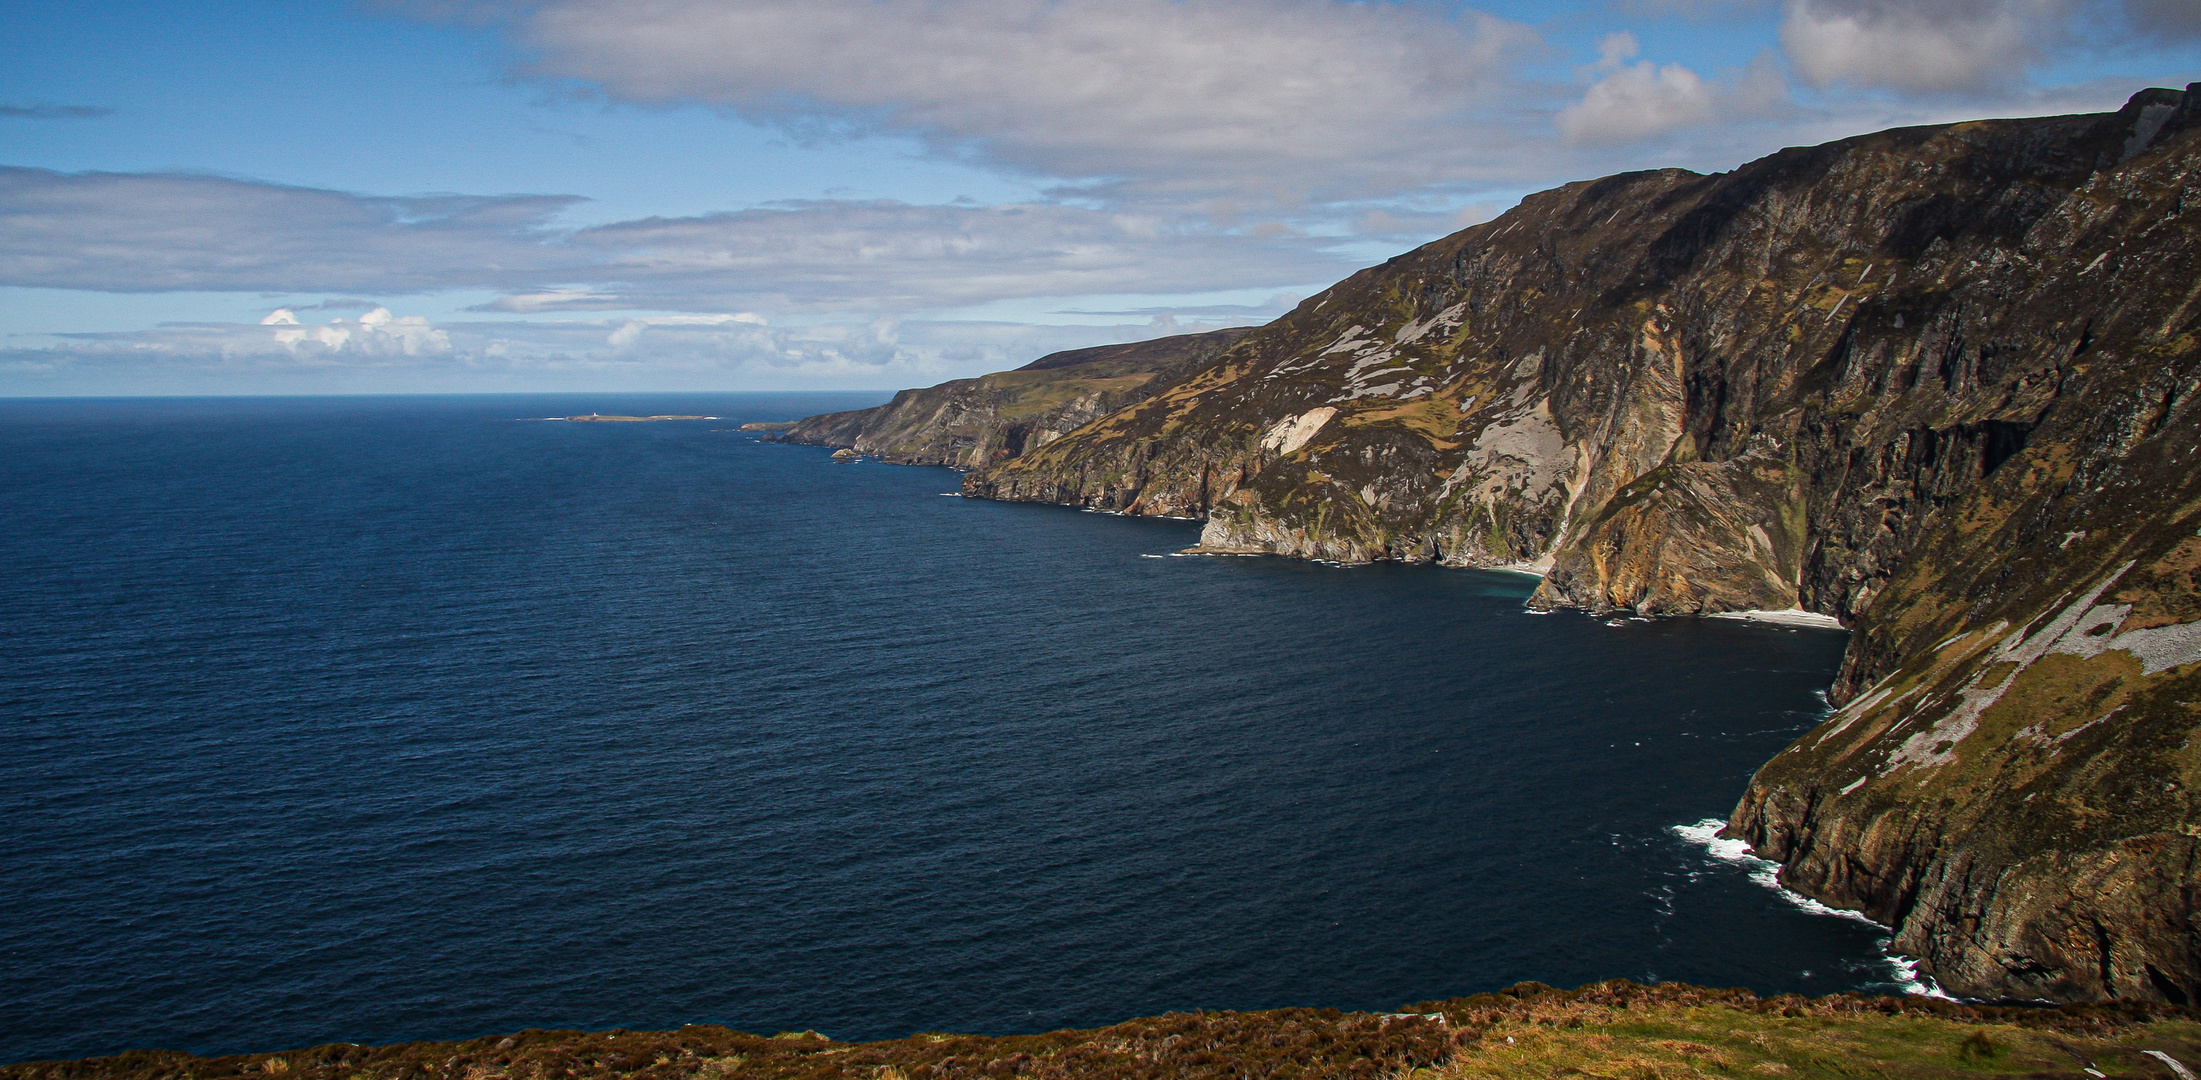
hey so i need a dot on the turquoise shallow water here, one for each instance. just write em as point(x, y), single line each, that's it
point(391, 718)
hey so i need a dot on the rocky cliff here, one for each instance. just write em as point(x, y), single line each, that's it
point(1938, 382)
point(968, 423)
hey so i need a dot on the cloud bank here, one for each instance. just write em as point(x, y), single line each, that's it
point(1262, 99)
point(1180, 147)
point(1630, 102)
point(379, 351)
point(1964, 46)
point(147, 233)
point(136, 232)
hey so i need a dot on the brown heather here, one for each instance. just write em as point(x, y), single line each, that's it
point(1613, 1029)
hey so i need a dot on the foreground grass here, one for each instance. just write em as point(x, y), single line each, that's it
point(1606, 1030)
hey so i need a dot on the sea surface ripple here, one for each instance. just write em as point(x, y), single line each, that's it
point(372, 719)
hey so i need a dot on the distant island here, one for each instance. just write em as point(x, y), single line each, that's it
point(627, 419)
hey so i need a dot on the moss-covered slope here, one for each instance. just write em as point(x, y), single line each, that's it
point(1606, 1030)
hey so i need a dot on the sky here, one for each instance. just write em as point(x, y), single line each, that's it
point(419, 196)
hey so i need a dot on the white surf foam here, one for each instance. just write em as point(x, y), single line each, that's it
point(1705, 834)
point(1765, 872)
point(1912, 980)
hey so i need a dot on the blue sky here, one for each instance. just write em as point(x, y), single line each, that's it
point(460, 195)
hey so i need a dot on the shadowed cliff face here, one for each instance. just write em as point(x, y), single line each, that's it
point(2012, 788)
point(968, 423)
point(1938, 382)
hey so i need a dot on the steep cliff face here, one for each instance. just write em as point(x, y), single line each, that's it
point(968, 423)
point(2013, 787)
point(1678, 392)
point(1935, 381)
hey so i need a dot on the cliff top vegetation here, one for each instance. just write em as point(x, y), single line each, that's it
point(1610, 1029)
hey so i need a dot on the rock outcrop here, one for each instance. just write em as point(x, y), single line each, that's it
point(1938, 382)
point(968, 423)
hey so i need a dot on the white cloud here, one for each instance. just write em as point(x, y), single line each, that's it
point(377, 333)
point(554, 300)
point(1936, 46)
point(1643, 100)
point(376, 337)
point(1614, 50)
point(630, 330)
point(1255, 99)
point(1636, 101)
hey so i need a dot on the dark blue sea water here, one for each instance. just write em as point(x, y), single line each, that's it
point(375, 719)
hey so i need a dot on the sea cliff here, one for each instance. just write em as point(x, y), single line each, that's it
point(968, 423)
point(1935, 382)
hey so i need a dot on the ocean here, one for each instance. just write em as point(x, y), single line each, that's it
point(378, 719)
